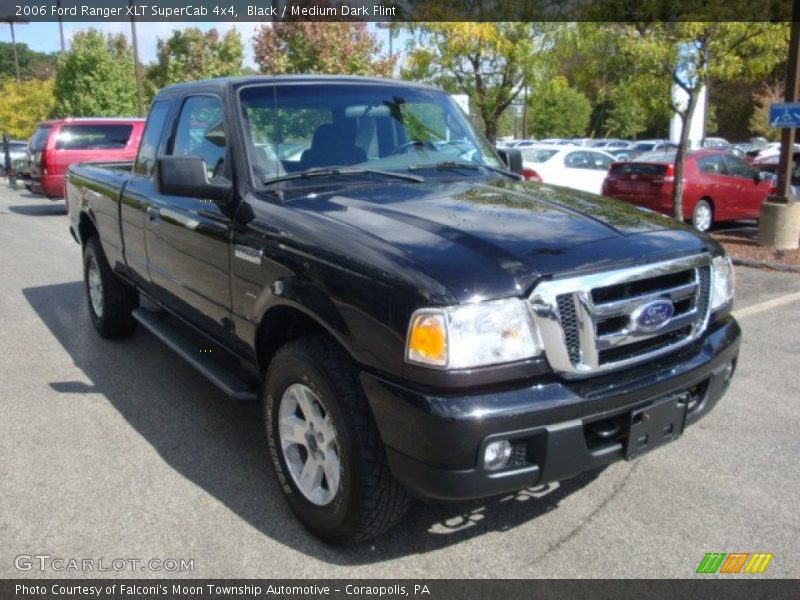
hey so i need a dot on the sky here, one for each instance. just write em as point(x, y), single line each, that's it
point(44, 37)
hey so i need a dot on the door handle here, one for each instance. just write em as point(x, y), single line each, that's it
point(153, 213)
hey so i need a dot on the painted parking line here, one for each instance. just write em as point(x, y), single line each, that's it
point(766, 305)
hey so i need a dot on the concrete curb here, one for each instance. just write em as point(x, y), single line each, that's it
point(766, 264)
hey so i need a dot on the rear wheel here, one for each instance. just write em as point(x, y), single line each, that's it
point(325, 447)
point(703, 216)
point(111, 301)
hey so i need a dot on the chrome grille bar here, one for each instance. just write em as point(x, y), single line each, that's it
point(583, 336)
point(629, 304)
point(628, 336)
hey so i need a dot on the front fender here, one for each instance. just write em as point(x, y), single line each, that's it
point(305, 296)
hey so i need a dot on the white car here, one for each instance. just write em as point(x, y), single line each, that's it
point(772, 149)
point(574, 167)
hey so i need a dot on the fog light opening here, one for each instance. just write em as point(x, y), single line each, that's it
point(727, 374)
point(497, 455)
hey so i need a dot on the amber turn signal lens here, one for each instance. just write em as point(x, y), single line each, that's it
point(427, 339)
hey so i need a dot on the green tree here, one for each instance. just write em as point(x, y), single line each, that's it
point(628, 115)
point(32, 64)
point(24, 105)
point(557, 110)
point(325, 48)
point(592, 57)
point(688, 53)
point(190, 54)
point(490, 62)
point(95, 78)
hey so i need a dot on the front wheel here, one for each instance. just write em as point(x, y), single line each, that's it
point(703, 216)
point(325, 448)
point(111, 301)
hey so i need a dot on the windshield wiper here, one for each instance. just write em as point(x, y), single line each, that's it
point(336, 171)
point(450, 165)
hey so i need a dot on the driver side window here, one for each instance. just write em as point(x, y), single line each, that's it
point(201, 132)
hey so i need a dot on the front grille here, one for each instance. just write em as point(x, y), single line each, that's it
point(589, 323)
point(660, 341)
point(569, 323)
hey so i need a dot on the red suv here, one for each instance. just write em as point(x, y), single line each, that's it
point(718, 186)
point(57, 144)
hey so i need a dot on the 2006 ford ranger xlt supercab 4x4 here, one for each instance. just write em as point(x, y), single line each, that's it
point(416, 319)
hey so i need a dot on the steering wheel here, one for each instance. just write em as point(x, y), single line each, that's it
point(404, 148)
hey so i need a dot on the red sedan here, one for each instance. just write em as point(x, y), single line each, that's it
point(717, 186)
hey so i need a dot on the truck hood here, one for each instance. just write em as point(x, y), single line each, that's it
point(496, 239)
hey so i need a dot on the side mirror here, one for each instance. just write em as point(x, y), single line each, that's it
point(186, 176)
point(757, 177)
point(513, 159)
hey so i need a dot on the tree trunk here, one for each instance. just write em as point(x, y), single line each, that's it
point(680, 155)
point(490, 129)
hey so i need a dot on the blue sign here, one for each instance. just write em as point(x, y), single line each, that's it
point(785, 115)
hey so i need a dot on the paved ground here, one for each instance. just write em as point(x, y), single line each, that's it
point(120, 450)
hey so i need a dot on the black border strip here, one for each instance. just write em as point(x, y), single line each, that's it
point(397, 10)
point(736, 587)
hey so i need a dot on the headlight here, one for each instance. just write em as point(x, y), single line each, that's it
point(721, 282)
point(472, 335)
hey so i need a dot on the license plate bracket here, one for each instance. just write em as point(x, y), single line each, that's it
point(655, 425)
point(633, 186)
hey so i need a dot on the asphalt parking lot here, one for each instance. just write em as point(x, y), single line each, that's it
point(121, 450)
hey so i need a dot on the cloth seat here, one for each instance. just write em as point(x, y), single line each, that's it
point(333, 145)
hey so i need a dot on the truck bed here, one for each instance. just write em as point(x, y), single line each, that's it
point(97, 187)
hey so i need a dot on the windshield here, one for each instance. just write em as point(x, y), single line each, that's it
point(295, 128)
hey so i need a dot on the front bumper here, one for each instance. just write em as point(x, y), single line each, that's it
point(558, 429)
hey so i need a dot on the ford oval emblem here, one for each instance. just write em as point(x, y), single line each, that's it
point(653, 315)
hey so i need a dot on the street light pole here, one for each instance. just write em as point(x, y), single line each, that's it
point(792, 95)
point(14, 49)
point(392, 27)
point(137, 71)
point(14, 44)
point(779, 220)
point(61, 27)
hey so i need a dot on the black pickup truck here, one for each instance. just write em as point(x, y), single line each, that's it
point(417, 320)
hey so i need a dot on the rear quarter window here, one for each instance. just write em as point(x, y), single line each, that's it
point(538, 156)
point(93, 137)
point(39, 138)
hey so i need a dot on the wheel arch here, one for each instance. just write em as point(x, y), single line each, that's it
point(288, 321)
point(86, 227)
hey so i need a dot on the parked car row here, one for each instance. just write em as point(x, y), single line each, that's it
point(718, 184)
point(56, 144)
point(620, 149)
